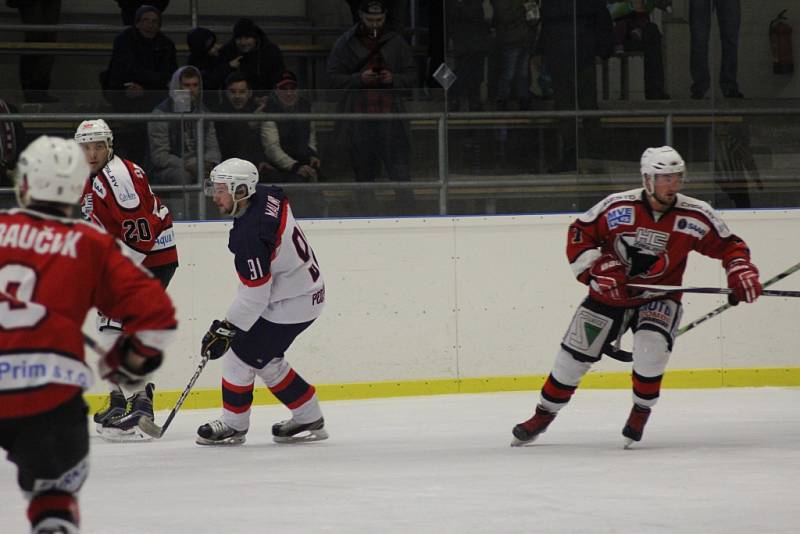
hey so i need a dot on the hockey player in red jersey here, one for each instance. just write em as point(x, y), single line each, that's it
point(281, 292)
point(118, 198)
point(640, 236)
point(53, 270)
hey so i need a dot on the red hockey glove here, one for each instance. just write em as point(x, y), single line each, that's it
point(743, 279)
point(608, 277)
point(129, 362)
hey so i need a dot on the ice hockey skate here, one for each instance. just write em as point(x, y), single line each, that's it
point(115, 408)
point(219, 433)
point(527, 432)
point(125, 427)
point(634, 427)
point(290, 431)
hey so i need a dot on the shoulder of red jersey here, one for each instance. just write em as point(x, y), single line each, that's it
point(117, 180)
point(631, 196)
point(700, 215)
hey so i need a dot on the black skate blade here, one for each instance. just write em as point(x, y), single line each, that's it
point(149, 427)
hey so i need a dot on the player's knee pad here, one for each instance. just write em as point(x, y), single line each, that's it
point(235, 371)
point(50, 510)
point(567, 370)
point(651, 353)
point(275, 371)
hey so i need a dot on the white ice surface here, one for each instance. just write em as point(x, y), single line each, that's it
point(712, 461)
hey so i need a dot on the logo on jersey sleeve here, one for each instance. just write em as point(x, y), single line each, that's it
point(97, 187)
point(620, 216)
point(691, 226)
point(644, 252)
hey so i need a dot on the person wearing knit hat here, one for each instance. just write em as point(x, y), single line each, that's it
point(251, 52)
point(129, 9)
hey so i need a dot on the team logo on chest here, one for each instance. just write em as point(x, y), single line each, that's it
point(644, 252)
point(620, 216)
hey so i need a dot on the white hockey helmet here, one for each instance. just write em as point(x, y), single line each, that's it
point(93, 130)
point(51, 169)
point(661, 160)
point(239, 176)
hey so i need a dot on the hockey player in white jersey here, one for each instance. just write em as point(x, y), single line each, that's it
point(281, 292)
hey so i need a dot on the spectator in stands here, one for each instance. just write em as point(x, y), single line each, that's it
point(204, 54)
point(251, 52)
point(470, 34)
point(129, 8)
point(396, 13)
point(173, 145)
point(241, 139)
point(12, 139)
point(372, 62)
point(633, 30)
point(513, 37)
point(142, 62)
point(729, 16)
point(290, 146)
point(35, 69)
point(573, 34)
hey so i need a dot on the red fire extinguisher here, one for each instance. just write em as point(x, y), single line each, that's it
point(780, 42)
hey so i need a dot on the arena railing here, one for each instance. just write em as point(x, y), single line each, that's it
point(443, 184)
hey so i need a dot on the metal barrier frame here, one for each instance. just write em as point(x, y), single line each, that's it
point(443, 183)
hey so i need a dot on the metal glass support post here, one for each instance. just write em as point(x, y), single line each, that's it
point(443, 171)
point(193, 12)
point(668, 129)
point(201, 171)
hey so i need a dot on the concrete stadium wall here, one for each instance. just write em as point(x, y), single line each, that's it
point(465, 299)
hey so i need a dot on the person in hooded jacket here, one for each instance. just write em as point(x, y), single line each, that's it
point(204, 55)
point(251, 52)
point(173, 145)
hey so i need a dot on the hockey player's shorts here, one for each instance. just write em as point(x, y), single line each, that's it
point(596, 325)
point(265, 340)
point(50, 449)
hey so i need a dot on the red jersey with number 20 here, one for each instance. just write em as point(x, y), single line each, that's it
point(653, 246)
point(53, 270)
point(120, 200)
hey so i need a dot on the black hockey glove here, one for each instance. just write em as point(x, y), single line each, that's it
point(218, 339)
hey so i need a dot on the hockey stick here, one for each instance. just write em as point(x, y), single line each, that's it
point(716, 311)
point(710, 290)
point(149, 426)
point(626, 356)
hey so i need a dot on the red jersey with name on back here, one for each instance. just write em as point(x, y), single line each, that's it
point(653, 246)
point(120, 200)
point(53, 270)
